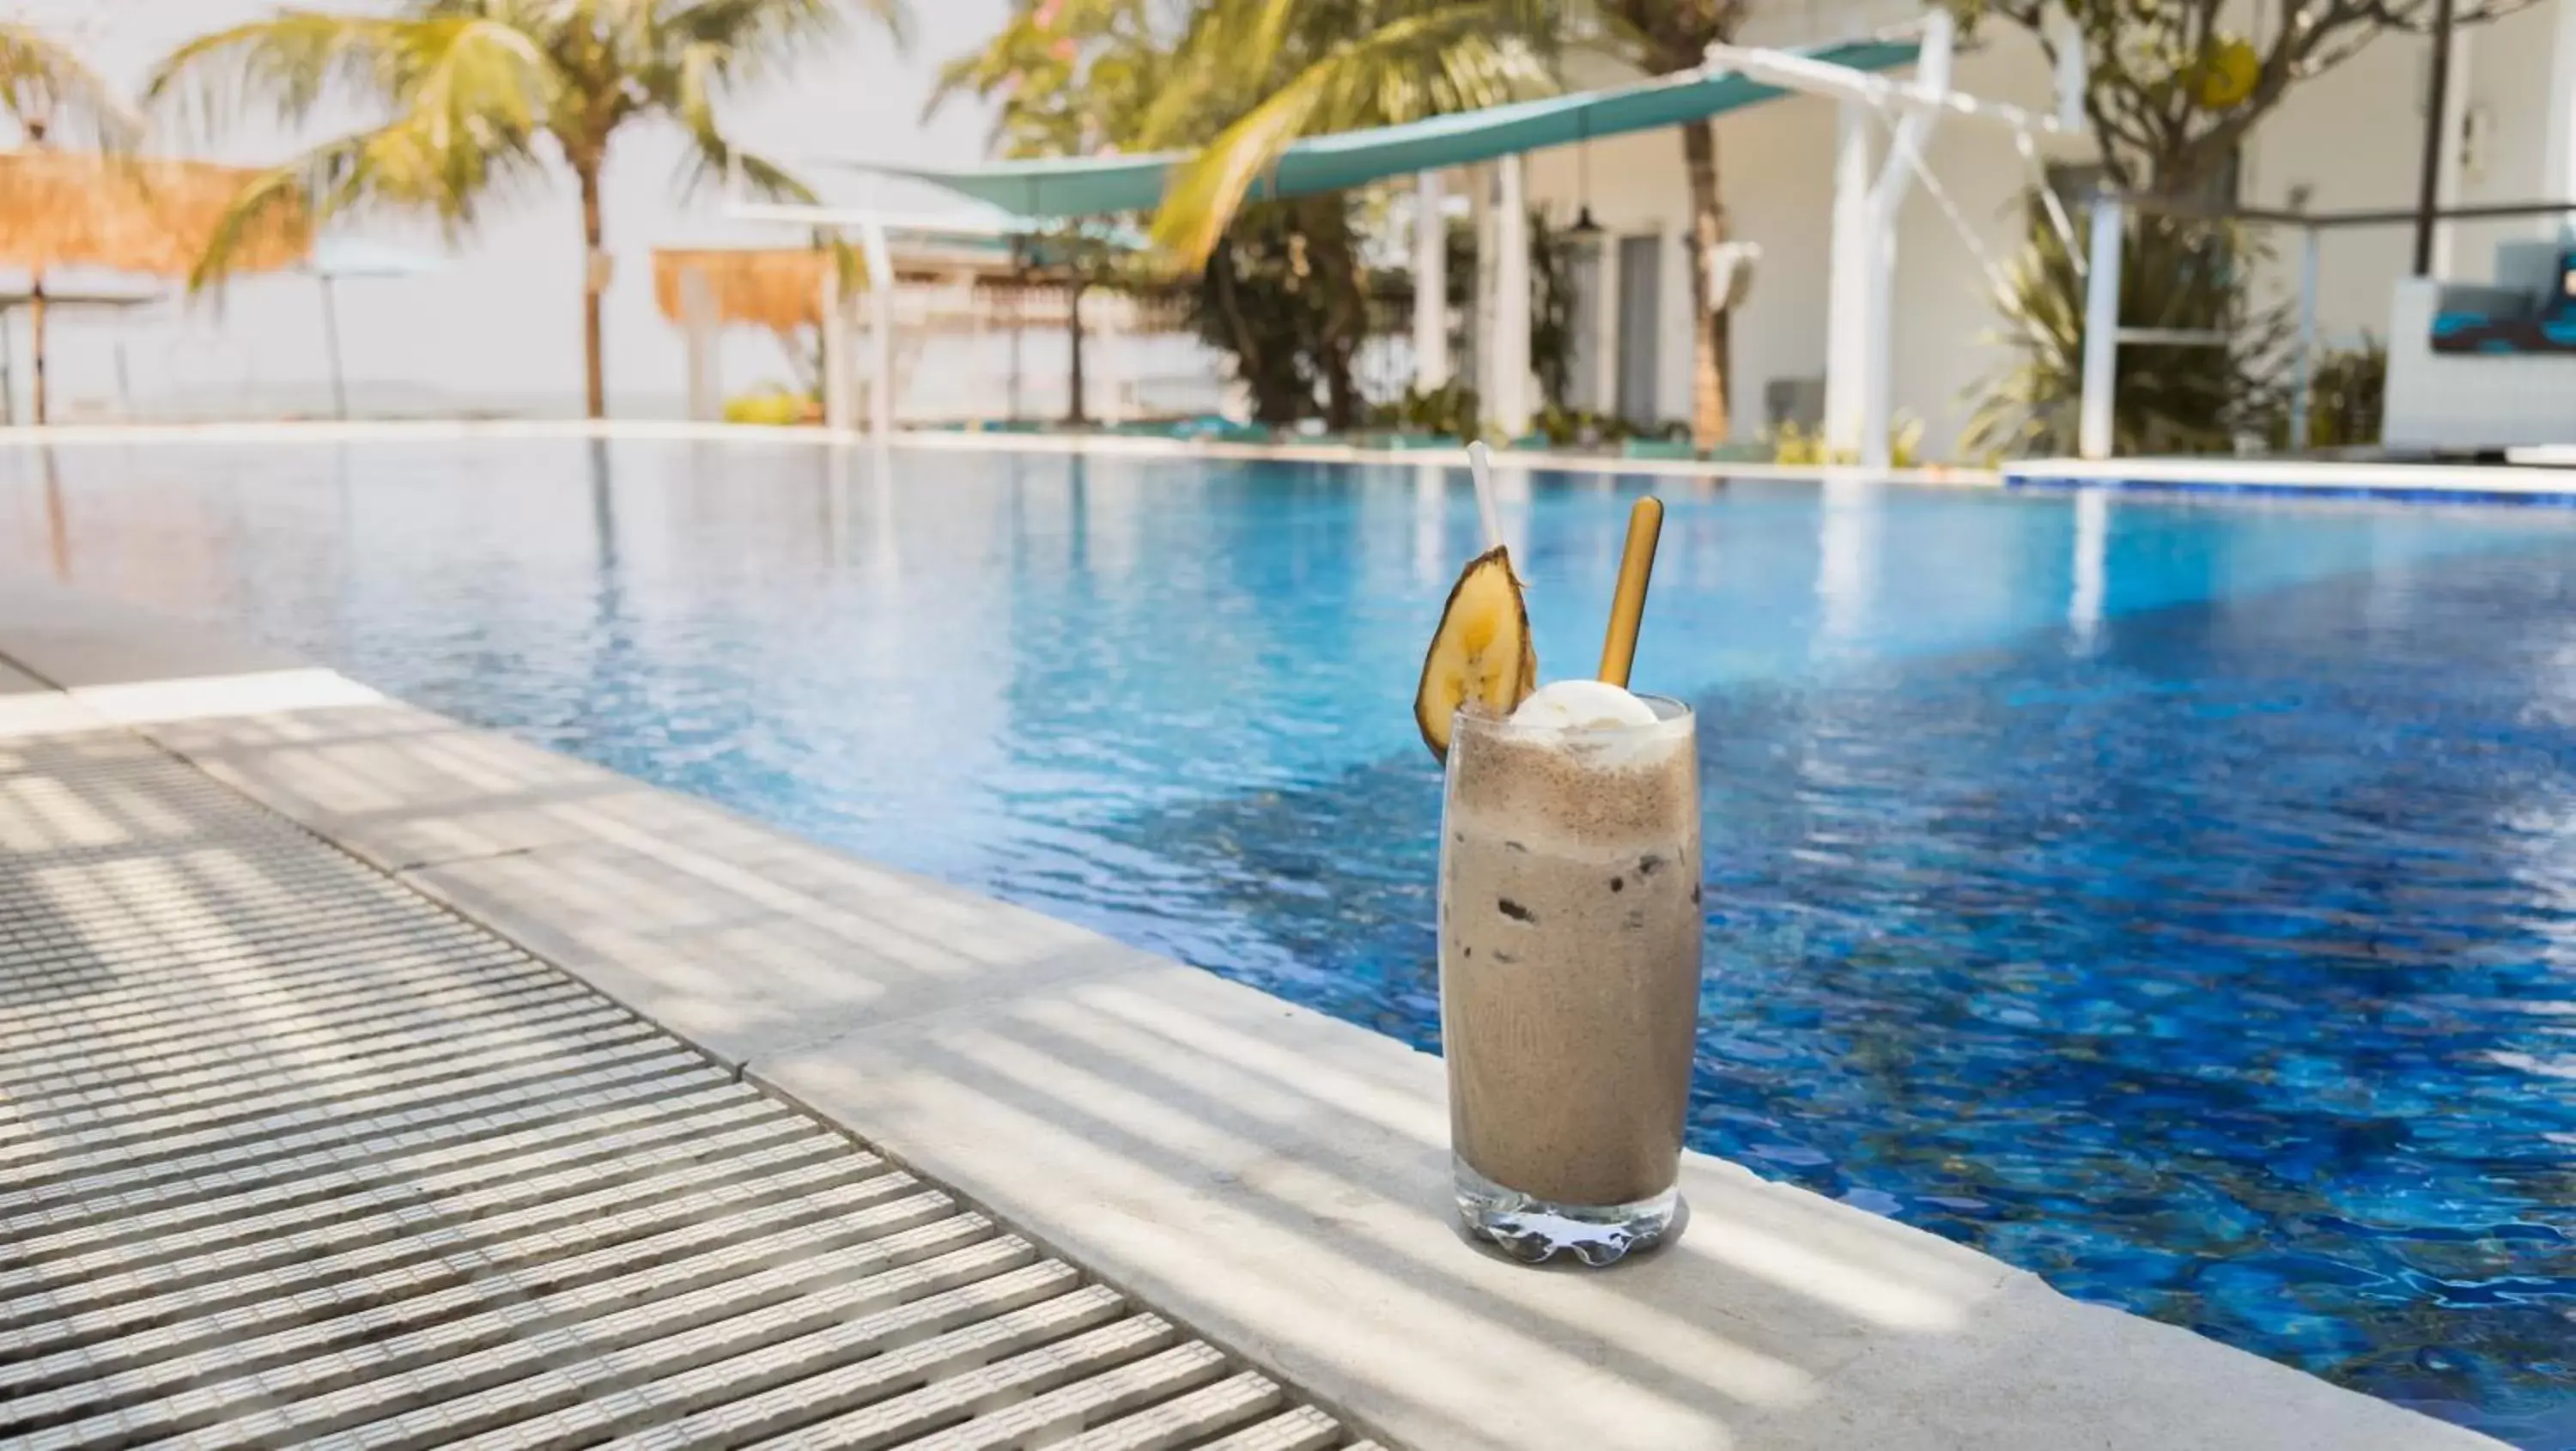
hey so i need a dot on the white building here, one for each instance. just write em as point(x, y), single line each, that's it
point(2351, 139)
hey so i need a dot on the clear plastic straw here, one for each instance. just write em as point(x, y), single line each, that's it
point(1480, 467)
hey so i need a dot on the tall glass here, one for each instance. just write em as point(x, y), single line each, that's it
point(1569, 978)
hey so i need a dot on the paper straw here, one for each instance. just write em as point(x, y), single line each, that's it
point(1480, 467)
point(1628, 604)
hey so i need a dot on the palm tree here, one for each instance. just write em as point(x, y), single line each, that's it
point(1666, 37)
point(477, 93)
point(53, 94)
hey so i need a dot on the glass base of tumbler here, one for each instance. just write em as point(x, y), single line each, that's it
point(1535, 1230)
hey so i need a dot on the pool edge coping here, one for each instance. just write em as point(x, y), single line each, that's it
point(1146, 448)
point(2526, 485)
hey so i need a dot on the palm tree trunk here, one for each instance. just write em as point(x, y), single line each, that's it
point(1073, 409)
point(1248, 364)
point(594, 281)
point(1345, 314)
point(36, 338)
point(1709, 360)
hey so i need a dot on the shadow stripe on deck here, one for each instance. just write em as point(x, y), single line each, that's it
point(291, 1155)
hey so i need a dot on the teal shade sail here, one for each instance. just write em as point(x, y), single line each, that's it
point(1078, 186)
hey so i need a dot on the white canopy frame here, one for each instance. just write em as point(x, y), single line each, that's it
point(1860, 346)
point(873, 227)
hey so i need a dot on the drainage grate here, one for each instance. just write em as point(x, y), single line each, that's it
point(290, 1155)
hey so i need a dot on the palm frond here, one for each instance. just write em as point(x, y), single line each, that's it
point(294, 60)
point(48, 89)
point(757, 37)
point(997, 65)
point(1231, 42)
point(406, 169)
point(1449, 59)
point(302, 60)
point(2176, 277)
point(713, 159)
point(708, 47)
point(469, 96)
point(275, 194)
point(711, 163)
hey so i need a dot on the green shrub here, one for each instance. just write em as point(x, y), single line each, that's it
point(2347, 393)
point(1791, 444)
point(1582, 427)
point(1450, 410)
point(2183, 276)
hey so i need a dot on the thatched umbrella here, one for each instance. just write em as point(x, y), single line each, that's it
point(777, 288)
point(81, 209)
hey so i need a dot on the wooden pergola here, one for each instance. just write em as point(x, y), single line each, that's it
point(147, 216)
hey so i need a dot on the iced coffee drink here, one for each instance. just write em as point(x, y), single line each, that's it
point(1569, 916)
point(1569, 967)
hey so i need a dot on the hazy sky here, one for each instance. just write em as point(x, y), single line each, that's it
point(500, 328)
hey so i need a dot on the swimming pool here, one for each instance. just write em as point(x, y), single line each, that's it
point(2176, 899)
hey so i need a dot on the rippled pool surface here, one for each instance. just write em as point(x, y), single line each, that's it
point(2178, 900)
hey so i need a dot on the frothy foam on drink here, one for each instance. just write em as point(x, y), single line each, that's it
point(1600, 721)
point(1583, 705)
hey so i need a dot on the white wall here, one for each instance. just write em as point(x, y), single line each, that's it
point(2353, 136)
point(1769, 160)
point(1775, 171)
point(2356, 134)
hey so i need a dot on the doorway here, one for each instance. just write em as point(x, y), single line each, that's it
point(1641, 286)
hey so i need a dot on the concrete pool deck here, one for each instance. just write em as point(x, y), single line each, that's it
point(1269, 1178)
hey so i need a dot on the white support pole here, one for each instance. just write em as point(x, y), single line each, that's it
point(2101, 329)
point(1807, 75)
point(1480, 297)
point(2304, 365)
point(1886, 206)
point(836, 349)
point(977, 325)
point(1510, 406)
point(331, 342)
point(1430, 284)
point(2558, 127)
point(1848, 284)
point(698, 326)
point(881, 287)
point(2073, 65)
point(1019, 336)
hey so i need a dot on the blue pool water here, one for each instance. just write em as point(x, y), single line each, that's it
point(2177, 899)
